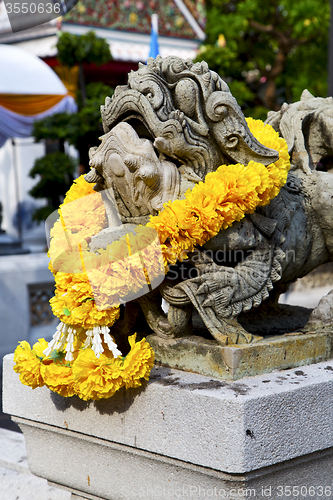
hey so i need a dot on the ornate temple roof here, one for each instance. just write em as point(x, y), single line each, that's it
point(177, 18)
point(124, 24)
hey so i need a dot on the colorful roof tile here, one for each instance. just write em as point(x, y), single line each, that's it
point(135, 16)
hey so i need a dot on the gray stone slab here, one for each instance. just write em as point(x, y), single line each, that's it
point(308, 297)
point(96, 469)
point(231, 427)
point(234, 362)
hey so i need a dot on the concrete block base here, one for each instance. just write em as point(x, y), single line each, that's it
point(95, 469)
point(184, 436)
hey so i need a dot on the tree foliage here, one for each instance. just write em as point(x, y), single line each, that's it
point(56, 177)
point(79, 49)
point(268, 51)
point(81, 129)
point(87, 48)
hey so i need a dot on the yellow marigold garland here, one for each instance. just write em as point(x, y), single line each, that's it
point(87, 376)
point(223, 198)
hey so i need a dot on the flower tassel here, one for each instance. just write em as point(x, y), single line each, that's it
point(64, 334)
point(61, 332)
point(93, 340)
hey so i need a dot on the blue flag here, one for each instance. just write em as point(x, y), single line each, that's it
point(154, 49)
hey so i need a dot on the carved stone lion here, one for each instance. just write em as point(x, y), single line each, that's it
point(186, 114)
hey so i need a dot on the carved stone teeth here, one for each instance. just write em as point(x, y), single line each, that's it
point(277, 266)
point(92, 176)
point(269, 284)
point(206, 77)
point(197, 68)
point(237, 308)
point(274, 275)
point(178, 66)
point(264, 293)
point(247, 304)
point(205, 67)
point(257, 299)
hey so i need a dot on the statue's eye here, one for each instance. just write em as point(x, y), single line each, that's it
point(168, 135)
point(232, 141)
point(149, 95)
point(221, 110)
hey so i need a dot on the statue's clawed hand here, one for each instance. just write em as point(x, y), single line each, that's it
point(217, 286)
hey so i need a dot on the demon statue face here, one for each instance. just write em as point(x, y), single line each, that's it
point(189, 114)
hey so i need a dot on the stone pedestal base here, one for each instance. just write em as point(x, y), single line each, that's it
point(185, 436)
point(242, 360)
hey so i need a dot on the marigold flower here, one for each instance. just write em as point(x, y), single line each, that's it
point(59, 378)
point(96, 378)
point(39, 347)
point(79, 189)
point(138, 362)
point(82, 215)
point(28, 365)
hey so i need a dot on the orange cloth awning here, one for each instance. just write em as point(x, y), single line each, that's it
point(29, 104)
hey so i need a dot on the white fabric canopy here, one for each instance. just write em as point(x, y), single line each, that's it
point(15, 125)
point(24, 73)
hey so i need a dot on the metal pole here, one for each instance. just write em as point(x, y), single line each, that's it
point(17, 192)
point(330, 55)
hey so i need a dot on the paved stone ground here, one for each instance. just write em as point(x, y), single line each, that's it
point(16, 481)
point(307, 297)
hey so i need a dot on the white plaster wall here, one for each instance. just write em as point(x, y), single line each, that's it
point(12, 190)
point(16, 273)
